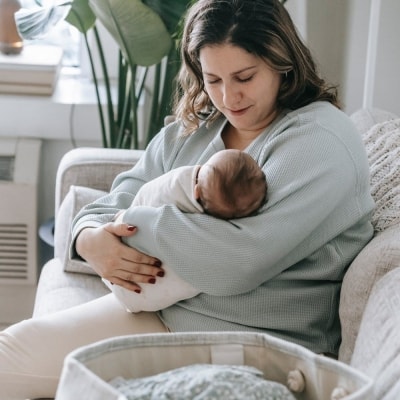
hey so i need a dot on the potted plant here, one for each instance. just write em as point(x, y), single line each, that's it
point(147, 34)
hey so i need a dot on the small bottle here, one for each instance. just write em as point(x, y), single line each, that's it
point(10, 41)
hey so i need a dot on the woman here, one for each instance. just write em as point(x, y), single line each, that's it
point(248, 83)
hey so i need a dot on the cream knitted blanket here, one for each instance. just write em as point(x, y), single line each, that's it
point(382, 142)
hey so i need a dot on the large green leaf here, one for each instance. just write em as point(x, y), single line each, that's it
point(81, 15)
point(170, 11)
point(139, 31)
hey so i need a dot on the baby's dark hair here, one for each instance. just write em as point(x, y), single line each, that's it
point(235, 188)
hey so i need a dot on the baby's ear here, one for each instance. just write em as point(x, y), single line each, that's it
point(196, 191)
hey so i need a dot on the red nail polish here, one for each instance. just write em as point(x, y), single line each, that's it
point(160, 274)
point(152, 280)
point(158, 263)
point(138, 291)
point(131, 228)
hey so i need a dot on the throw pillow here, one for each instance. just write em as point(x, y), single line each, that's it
point(382, 142)
point(76, 198)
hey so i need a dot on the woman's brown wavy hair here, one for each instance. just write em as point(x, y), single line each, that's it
point(261, 27)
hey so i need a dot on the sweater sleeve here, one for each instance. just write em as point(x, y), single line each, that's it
point(123, 190)
point(314, 195)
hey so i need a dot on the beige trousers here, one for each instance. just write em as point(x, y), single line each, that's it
point(32, 351)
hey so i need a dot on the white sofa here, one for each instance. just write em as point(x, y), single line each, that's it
point(370, 297)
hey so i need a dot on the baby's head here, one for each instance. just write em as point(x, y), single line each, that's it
point(231, 185)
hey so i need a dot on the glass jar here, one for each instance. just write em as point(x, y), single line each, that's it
point(10, 41)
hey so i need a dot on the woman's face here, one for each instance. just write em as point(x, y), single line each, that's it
point(241, 86)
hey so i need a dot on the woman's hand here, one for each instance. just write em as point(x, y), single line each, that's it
point(120, 264)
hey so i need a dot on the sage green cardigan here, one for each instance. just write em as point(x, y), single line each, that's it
point(280, 271)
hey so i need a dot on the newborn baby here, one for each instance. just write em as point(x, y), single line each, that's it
point(229, 185)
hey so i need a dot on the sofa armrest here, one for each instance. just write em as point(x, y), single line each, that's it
point(377, 348)
point(91, 167)
point(380, 256)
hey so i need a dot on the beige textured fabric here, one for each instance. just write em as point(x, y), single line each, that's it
point(380, 256)
point(76, 198)
point(377, 349)
point(88, 370)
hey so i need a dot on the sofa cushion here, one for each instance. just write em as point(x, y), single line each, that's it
point(76, 198)
point(377, 349)
point(58, 290)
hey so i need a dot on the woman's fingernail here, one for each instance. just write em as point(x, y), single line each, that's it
point(160, 274)
point(138, 291)
point(131, 228)
point(158, 263)
point(152, 280)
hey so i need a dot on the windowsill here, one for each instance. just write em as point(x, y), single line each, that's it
point(71, 111)
point(73, 88)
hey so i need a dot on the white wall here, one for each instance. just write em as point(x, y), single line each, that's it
point(387, 87)
point(337, 33)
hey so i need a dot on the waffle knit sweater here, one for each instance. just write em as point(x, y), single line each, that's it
point(278, 272)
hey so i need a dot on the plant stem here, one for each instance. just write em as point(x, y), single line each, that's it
point(96, 85)
point(151, 131)
point(107, 84)
point(134, 127)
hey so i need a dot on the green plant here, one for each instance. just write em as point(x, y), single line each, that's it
point(147, 34)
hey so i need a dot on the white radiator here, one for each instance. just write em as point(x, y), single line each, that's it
point(19, 172)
